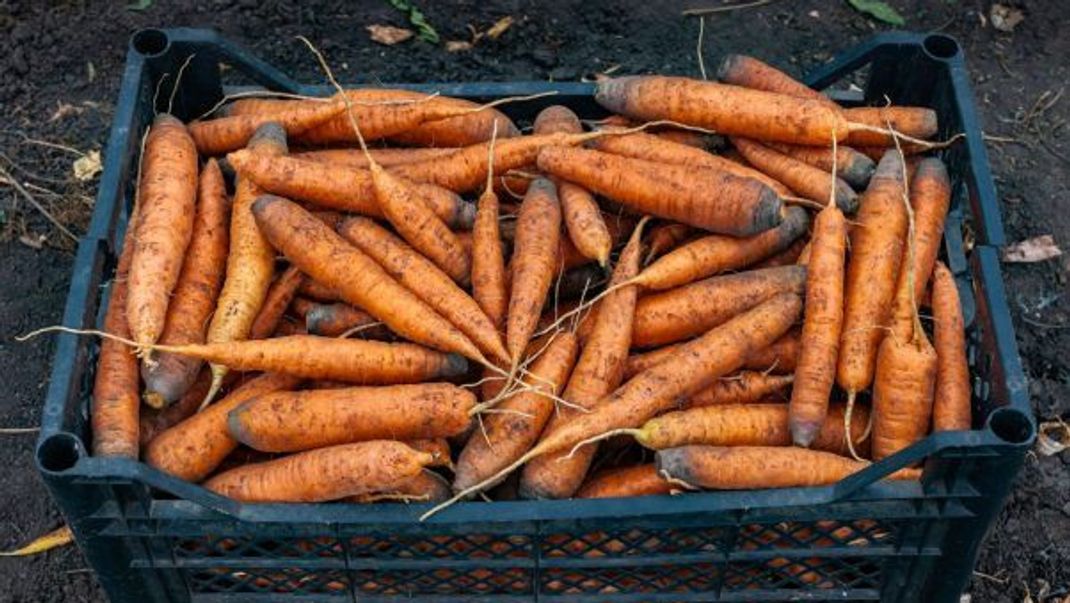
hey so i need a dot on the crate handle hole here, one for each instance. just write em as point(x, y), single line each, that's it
point(1012, 426)
point(150, 42)
point(941, 47)
point(59, 452)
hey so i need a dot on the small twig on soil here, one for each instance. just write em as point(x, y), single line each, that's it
point(1002, 139)
point(26, 195)
point(692, 12)
point(18, 430)
point(994, 578)
point(698, 49)
point(51, 145)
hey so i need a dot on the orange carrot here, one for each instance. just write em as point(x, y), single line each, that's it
point(759, 467)
point(665, 238)
point(438, 448)
point(917, 122)
point(323, 474)
point(333, 320)
point(951, 408)
point(930, 197)
point(489, 287)
point(854, 167)
point(702, 197)
point(713, 254)
point(801, 177)
point(278, 298)
point(355, 158)
point(194, 299)
point(538, 229)
point(294, 421)
point(598, 372)
point(225, 134)
point(749, 72)
point(326, 257)
point(193, 449)
point(681, 313)
point(903, 389)
point(427, 282)
point(744, 387)
point(787, 257)
point(625, 482)
point(822, 326)
point(167, 196)
point(317, 291)
point(779, 358)
point(426, 486)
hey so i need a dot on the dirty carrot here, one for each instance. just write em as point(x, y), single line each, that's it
point(916, 122)
point(741, 388)
point(778, 358)
point(749, 72)
point(333, 320)
point(278, 299)
point(625, 482)
point(930, 197)
point(425, 486)
point(355, 158)
point(903, 388)
point(801, 177)
point(225, 134)
point(538, 229)
point(664, 238)
point(951, 406)
point(854, 167)
point(489, 286)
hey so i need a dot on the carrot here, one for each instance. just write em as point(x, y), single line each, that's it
point(729, 110)
point(333, 320)
point(689, 138)
point(425, 486)
point(598, 372)
point(278, 299)
point(489, 287)
point(653, 148)
point(427, 282)
point(876, 252)
point(294, 421)
point(787, 257)
point(801, 177)
point(749, 72)
point(167, 195)
point(951, 408)
point(822, 326)
point(194, 299)
point(722, 425)
point(323, 474)
point(438, 448)
point(519, 419)
point(115, 408)
point(759, 467)
point(355, 158)
point(778, 358)
point(903, 390)
point(538, 229)
point(338, 187)
point(193, 449)
point(326, 257)
point(152, 421)
point(317, 291)
point(666, 237)
point(701, 197)
point(744, 387)
point(916, 122)
point(930, 197)
point(459, 131)
point(625, 482)
point(681, 313)
point(225, 134)
point(854, 167)
point(250, 262)
point(713, 254)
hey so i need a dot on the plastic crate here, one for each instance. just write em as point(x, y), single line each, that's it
point(152, 537)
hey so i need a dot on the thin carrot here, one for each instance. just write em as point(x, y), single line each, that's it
point(778, 358)
point(684, 312)
point(489, 286)
point(333, 320)
point(355, 158)
point(194, 298)
point(225, 134)
point(854, 167)
point(714, 200)
point(277, 300)
point(951, 407)
point(625, 482)
point(323, 474)
point(666, 237)
point(744, 387)
point(326, 257)
point(317, 291)
point(916, 122)
point(538, 229)
point(801, 177)
point(930, 197)
point(167, 196)
point(294, 421)
point(749, 72)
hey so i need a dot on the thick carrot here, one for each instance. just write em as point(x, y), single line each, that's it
point(759, 467)
point(489, 286)
point(713, 254)
point(459, 131)
point(167, 197)
point(278, 299)
point(355, 158)
point(930, 197)
point(251, 260)
point(822, 326)
point(225, 134)
point(583, 218)
point(193, 449)
point(332, 320)
point(625, 482)
point(430, 284)
point(917, 122)
point(744, 387)
point(681, 313)
point(518, 420)
point(706, 198)
point(425, 486)
point(598, 372)
point(801, 177)
point(666, 237)
point(294, 421)
point(749, 72)
point(876, 244)
point(318, 291)
point(115, 408)
point(338, 187)
point(538, 230)
point(323, 474)
point(903, 388)
point(854, 167)
point(194, 299)
point(951, 407)
point(326, 257)
point(730, 110)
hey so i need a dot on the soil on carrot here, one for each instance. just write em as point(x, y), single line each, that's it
point(60, 66)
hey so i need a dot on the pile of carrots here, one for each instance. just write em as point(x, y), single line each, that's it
point(400, 297)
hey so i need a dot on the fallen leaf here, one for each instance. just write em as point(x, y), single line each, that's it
point(87, 166)
point(389, 35)
point(499, 27)
point(1005, 18)
point(417, 20)
point(458, 46)
point(1036, 249)
point(33, 242)
point(51, 540)
point(879, 10)
point(1053, 437)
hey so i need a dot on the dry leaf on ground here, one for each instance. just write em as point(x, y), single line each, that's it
point(1036, 249)
point(1005, 18)
point(87, 166)
point(51, 540)
point(1053, 437)
point(388, 35)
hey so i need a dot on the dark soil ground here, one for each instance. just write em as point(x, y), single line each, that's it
point(60, 66)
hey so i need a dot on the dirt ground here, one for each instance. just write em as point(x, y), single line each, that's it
point(60, 66)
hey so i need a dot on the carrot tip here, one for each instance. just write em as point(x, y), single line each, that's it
point(455, 365)
point(804, 432)
point(155, 399)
